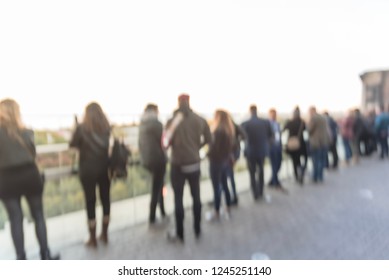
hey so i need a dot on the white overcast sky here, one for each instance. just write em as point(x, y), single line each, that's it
point(56, 56)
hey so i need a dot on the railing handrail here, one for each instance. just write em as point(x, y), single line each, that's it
point(52, 148)
point(62, 171)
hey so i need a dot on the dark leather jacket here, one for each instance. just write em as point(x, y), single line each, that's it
point(13, 153)
point(93, 148)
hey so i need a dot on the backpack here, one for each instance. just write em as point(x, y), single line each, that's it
point(118, 160)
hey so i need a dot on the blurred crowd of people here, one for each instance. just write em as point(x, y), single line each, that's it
point(183, 136)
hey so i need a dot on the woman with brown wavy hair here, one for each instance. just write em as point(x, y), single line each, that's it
point(19, 176)
point(92, 139)
point(220, 152)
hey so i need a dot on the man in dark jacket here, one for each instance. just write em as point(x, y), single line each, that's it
point(153, 156)
point(359, 129)
point(259, 137)
point(334, 137)
point(186, 133)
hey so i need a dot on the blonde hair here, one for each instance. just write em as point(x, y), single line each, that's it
point(224, 122)
point(95, 119)
point(10, 119)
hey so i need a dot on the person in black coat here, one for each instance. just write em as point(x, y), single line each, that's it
point(220, 151)
point(332, 124)
point(359, 130)
point(296, 127)
point(20, 177)
point(91, 137)
point(153, 157)
point(259, 136)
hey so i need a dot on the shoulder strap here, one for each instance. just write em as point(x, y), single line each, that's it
point(169, 131)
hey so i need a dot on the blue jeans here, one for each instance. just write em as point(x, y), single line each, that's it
point(383, 140)
point(231, 176)
point(319, 156)
point(219, 182)
point(347, 149)
point(276, 160)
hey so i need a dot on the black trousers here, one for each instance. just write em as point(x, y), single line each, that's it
point(15, 215)
point(333, 150)
point(91, 179)
point(298, 166)
point(178, 179)
point(16, 182)
point(158, 176)
point(255, 165)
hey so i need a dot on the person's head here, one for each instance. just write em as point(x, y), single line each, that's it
point(326, 114)
point(357, 112)
point(151, 108)
point(312, 111)
point(222, 120)
point(10, 119)
point(272, 114)
point(221, 116)
point(95, 119)
point(296, 113)
point(253, 110)
point(183, 101)
point(10, 115)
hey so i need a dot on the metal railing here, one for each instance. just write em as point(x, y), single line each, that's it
point(63, 191)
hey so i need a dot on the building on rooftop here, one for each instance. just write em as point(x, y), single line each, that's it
point(375, 91)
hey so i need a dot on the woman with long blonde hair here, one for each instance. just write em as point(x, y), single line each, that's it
point(91, 137)
point(19, 176)
point(220, 151)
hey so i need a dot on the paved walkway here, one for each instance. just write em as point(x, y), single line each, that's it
point(344, 218)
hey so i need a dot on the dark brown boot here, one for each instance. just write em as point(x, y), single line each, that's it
point(92, 242)
point(104, 232)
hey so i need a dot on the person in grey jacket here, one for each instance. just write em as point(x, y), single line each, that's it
point(319, 141)
point(19, 176)
point(91, 137)
point(153, 156)
point(186, 133)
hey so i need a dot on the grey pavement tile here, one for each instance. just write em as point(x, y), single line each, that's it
point(346, 217)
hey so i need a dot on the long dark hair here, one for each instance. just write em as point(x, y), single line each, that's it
point(296, 113)
point(95, 119)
